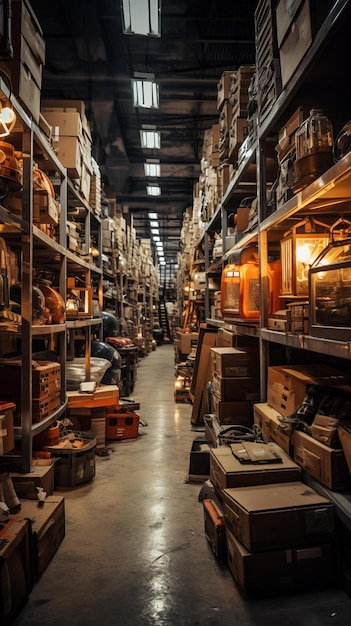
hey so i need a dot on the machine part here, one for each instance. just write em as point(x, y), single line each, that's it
point(110, 325)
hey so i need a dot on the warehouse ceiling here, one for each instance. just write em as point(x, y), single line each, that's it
point(88, 57)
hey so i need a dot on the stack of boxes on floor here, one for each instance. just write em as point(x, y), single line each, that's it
point(263, 509)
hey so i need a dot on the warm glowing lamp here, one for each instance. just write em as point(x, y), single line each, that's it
point(298, 251)
point(7, 120)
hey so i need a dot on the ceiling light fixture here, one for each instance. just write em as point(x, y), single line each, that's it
point(154, 224)
point(152, 167)
point(153, 190)
point(145, 91)
point(141, 18)
point(152, 215)
point(150, 138)
point(155, 231)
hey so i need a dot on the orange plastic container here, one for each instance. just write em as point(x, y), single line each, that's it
point(240, 290)
point(123, 425)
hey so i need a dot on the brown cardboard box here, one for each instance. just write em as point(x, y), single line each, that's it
point(48, 528)
point(236, 388)
point(285, 13)
point(68, 122)
point(282, 395)
point(187, 341)
point(232, 412)
point(344, 432)
point(223, 88)
point(267, 517)
point(227, 471)
point(7, 438)
point(15, 566)
point(26, 484)
point(287, 385)
point(25, 21)
point(268, 419)
point(69, 153)
point(327, 465)
point(229, 362)
point(283, 570)
point(296, 43)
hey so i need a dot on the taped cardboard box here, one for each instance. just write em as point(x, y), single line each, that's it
point(268, 517)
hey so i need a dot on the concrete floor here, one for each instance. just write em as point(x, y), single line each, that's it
point(135, 553)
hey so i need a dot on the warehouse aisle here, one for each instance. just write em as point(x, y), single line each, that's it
point(135, 553)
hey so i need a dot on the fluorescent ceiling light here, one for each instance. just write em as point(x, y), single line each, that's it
point(152, 168)
point(162, 262)
point(159, 243)
point(153, 190)
point(157, 239)
point(155, 231)
point(153, 216)
point(145, 92)
point(142, 18)
point(154, 224)
point(150, 139)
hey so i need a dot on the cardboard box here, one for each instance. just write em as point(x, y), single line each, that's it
point(296, 43)
point(236, 388)
point(46, 210)
point(15, 567)
point(47, 526)
point(229, 362)
point(26, 484)
point(294, 569)
point(267, 517)
point(223, 88)
point(24, 86)
point(187, 342)
point(283, 394)
point(232, 412)
point(344, 432)
point(69, 153)
point(24, 20)
point(327, 465)
point(69, 123)
point(268, 419)
point(288, 385)
point(227, 471)
point(285, 13)
point(7, 438)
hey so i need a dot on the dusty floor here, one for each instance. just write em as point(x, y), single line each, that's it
point(135, 553)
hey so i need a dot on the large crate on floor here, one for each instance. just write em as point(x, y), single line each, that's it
point(74, 466)
point(122, 425)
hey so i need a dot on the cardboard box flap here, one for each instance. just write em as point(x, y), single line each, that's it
point(276, 496)
point(255, 453)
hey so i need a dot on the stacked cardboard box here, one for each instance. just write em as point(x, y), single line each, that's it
point(279, 538)
point(235, 384)
point(28, 60)
point(71, 130)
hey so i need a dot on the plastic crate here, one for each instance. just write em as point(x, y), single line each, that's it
point(74, 466)
point(122, 425)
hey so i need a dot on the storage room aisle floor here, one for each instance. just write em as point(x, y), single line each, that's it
point(135, 553)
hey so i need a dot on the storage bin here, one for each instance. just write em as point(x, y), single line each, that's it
point(74, 466)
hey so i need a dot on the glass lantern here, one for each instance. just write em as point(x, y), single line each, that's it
point(330, 292)
point(298, 251)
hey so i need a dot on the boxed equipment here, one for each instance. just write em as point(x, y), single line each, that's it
point(267, 517)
